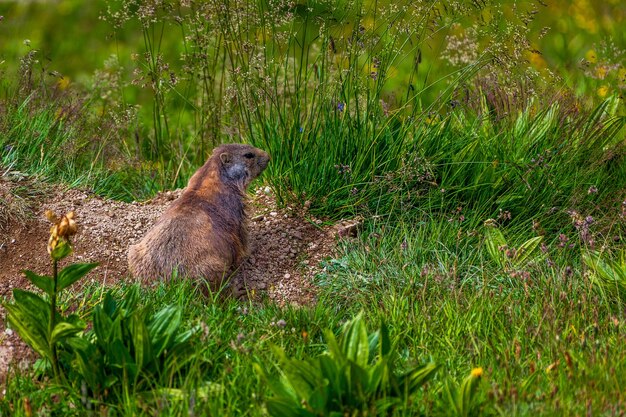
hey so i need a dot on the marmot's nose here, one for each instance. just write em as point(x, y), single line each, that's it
point(265, 159)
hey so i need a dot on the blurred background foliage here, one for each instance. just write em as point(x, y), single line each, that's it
point(581, 40)
point(156, 84)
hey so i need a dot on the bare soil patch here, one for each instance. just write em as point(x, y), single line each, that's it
point(286, 249)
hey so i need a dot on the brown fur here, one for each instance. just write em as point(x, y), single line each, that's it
point(203, 234)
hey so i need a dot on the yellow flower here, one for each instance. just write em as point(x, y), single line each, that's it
point(63, 83)
point(603, 90)
point(601, 71)
point(61, 228)
point(477, 372)
point(536, 60)
point(591, 56)
point(552, 367)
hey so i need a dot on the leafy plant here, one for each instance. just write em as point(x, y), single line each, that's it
point(36, 318)
point(125, 350)
point(508, 257)
point(128, 345)
point(607, 273)
point(461, 398)
point(357, 375)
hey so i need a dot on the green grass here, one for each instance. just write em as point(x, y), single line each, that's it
point(452, 304)
point(548, 342)
point(57, 139)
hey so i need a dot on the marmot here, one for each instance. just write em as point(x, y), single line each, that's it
point(203, 234)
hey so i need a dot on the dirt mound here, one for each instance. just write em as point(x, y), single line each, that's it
point(286, 248)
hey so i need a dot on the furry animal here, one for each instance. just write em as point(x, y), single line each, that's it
point(203, 234)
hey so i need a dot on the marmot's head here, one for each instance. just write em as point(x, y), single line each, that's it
point(239, 163)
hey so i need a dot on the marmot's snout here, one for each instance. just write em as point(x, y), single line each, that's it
point(264, 159)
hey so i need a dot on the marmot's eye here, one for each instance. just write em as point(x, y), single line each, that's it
point(249, 155)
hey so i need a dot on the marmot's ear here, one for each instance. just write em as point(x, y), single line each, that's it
point(226, 157)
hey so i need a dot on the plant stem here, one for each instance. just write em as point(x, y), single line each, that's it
point(52, 322)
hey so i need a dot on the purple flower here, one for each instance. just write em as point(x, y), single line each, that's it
point(340, 106)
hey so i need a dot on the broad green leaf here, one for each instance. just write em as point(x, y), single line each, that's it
point(109, 305)
point(43, 282)
point(333, 348)
point(302, 376)
point(354, 343)
point(130, 302)
point(282, 387)
point(385, 341)
point(33, 332)
point(102, 324)
point(454, 399)
point(280, 407)
point(203, 392)
point(318, 400)
point(64, 330)
point(163, 327)
point(494, 241)
point(116, 332)
point(607, 273)
point(119, 357)
point(378, 375)
point(184, 337)
point(329, 370)
point(72, 273)
point(86, 361)
point(468, 389)
point(385, 404)
point(141, 340)
point(608, 269)
point(34, 305)
point(417, 377)
point(359, 381)
point(75, 319)
point(373, 340)
point(526, 249)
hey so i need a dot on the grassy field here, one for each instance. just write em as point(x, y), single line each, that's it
point(484, 153)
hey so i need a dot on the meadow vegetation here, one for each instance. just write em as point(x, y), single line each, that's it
point(482, 143)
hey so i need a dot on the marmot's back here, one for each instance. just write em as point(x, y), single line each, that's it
point(203, 233)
